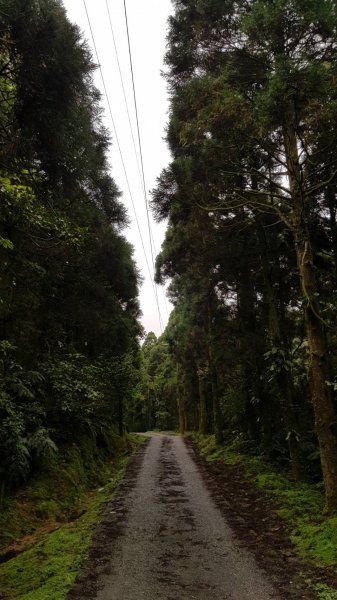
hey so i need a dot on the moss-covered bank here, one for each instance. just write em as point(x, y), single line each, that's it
point(300, 505)
point(47, 526)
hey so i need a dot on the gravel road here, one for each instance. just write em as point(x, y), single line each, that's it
point(175, 544)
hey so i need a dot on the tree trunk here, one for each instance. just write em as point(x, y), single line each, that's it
point(181, 404)
point(181, 418)
point(284, 381)
point(325, 417)
point(216, 411)
point(213, 376)
point(202, 374)
point(246, 320)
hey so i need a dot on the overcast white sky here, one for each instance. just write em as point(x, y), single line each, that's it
point(147, 27)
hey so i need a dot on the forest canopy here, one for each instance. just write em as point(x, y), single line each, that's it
point(251, 243)
point(68, 282)
point(250, 251)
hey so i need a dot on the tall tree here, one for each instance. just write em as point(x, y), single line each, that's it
point(68, 283)
point(253, 121)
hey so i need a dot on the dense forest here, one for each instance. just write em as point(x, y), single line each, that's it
point(250, 249)
point(247, 362)
point(251, 243)
point(69, 348)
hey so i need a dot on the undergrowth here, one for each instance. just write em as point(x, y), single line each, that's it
point(48, 569)
point(299, 504)
point(325, 592)
point(58, 488)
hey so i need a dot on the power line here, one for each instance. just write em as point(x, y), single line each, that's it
point(123, 87)
point(131, 128)
point(126, 105)
point(140, 145)
point(123, 163)
point(129, 120)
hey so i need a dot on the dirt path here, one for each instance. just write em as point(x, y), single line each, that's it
point(163, 538)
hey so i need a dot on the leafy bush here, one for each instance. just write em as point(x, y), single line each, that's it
point(68, 397)
point(21, 432)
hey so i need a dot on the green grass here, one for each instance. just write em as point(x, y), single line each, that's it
point(325, 593)
point(48, 569)
point(210, 450)
point(299, 504)
point(297, 500)
point(58, 488)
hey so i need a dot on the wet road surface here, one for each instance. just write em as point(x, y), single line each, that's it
point(175, 544)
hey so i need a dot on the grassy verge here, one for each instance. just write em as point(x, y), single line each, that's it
point(47, 570)
point(300, 505)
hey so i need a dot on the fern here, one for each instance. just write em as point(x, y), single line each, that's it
point(40, 443)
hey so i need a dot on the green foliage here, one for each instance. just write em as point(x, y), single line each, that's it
point(7, 244)
point(59, 486)
point(67, 399)
point(212, 452)
point(155, 401)
point(300, 505)
point(22, 206)
point(317, 541)
point(251, 243)
point(49, 568)
point(324, 592)
point(295, 362)
point(68, 284)
point(76, 391)
point(21, 433)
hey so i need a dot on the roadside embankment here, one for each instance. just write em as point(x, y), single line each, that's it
point(46, 527)
point(283, 520)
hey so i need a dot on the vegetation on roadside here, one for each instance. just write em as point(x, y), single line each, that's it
point(69, 312)
point(249, 353)
point(324, 592)
point(251, 244)
point(300, 505)
point(58, 511)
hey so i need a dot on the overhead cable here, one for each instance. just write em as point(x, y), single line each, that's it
point(138, 131)
point(122, 161)
point(140, 146)
point(123, 87)
point(130, 123)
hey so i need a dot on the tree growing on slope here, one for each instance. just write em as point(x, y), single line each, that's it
point(254, 113)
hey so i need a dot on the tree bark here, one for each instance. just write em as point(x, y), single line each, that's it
point(181, 404)
point(248, 352)
point(202, 374)
point(213, 375)
point(284, 381)
point(325, 417)
point(216, 411)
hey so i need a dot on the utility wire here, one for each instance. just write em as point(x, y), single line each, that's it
point(123, 163)
point(123, 87)
point(139, 142)
point(126, 104)
point(130, 123)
